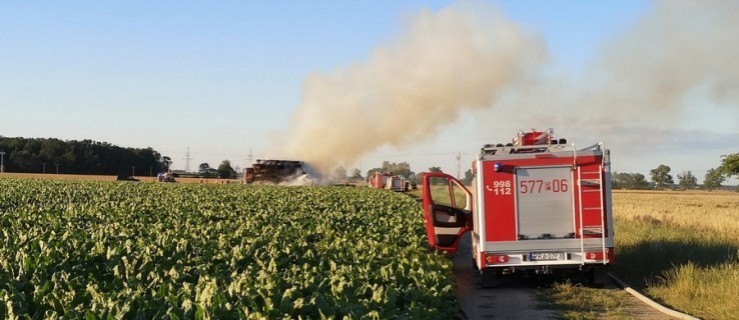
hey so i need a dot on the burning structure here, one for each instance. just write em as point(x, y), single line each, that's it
point(275, 172)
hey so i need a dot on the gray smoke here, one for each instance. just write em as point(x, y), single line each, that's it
point(680, 53)
point(677, 62)
point(461, 57)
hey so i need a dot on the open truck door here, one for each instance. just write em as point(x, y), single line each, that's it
point(447, 207)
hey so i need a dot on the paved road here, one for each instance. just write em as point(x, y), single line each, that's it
point(516, 298)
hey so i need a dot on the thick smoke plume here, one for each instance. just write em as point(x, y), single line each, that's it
point(675, 72)
point(458, 58)
point(679, 54)
point(667, 84)
point(677, 65)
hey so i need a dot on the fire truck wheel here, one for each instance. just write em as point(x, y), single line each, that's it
point(489, 279)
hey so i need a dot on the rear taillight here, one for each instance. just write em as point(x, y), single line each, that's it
point(598, 255)
point(496, 258)
point(594, 255)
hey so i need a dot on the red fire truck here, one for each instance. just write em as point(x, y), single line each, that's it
point(379, 180)
point(387, 180)
point(537, 205)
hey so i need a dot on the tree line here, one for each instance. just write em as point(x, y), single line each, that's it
point(662, 179)
point(42, 155)
point(224, 170)
point(404, 169)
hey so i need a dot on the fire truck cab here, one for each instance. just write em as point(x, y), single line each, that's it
point(536, 205)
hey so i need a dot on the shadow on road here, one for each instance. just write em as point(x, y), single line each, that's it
point(514, 298)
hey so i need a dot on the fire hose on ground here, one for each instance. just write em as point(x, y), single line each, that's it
point(650, 302)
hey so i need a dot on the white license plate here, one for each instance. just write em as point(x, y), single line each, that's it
point(546, 256)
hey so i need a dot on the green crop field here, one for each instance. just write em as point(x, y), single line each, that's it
point(102, 249)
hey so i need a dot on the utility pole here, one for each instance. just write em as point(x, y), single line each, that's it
point(133, 171)
point(2, 161)
point(249, 159)
point(44, 170)
point(459, 158)
point(187, 159)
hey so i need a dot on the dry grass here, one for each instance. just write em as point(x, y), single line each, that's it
point(716, 212)
point(580, 302)
point(681, 248)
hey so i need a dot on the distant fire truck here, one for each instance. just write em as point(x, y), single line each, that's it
point(537, 206)
point(387, 180)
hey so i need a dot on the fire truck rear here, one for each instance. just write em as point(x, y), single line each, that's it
point(388, 180)
point(538, 205)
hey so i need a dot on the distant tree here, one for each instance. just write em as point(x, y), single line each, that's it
point(401, 169)
point(687, 180)
point(225, 171)
point(414, 178)
point(371, 172)
point(661, 176)
point(713, 179)
point(618, 180)
point(204, 170)
point(624, 180)
point(467, 177)
point(203, 167)
point(730, 165)
point(340, 173)
point(357, 174)
point(435, 169)
point(167, 163)
point(639, 181)
point(36, 155)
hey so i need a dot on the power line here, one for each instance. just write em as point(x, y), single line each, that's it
point(250, 158)
point(187, 159)
point(459, 158)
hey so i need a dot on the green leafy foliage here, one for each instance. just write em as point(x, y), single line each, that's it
point(99, 250)
point(661, 177)
point(713, 179)
point(37, 155)
point(687, 180)
point(624, 180)
point(730, 165)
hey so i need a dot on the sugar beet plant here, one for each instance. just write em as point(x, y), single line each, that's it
point(83, 249)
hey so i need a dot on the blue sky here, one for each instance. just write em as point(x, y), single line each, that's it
point(224, 77)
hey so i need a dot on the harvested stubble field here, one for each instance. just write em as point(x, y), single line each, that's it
point(682, 248)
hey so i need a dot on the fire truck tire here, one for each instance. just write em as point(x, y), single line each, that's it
point(489, 279)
